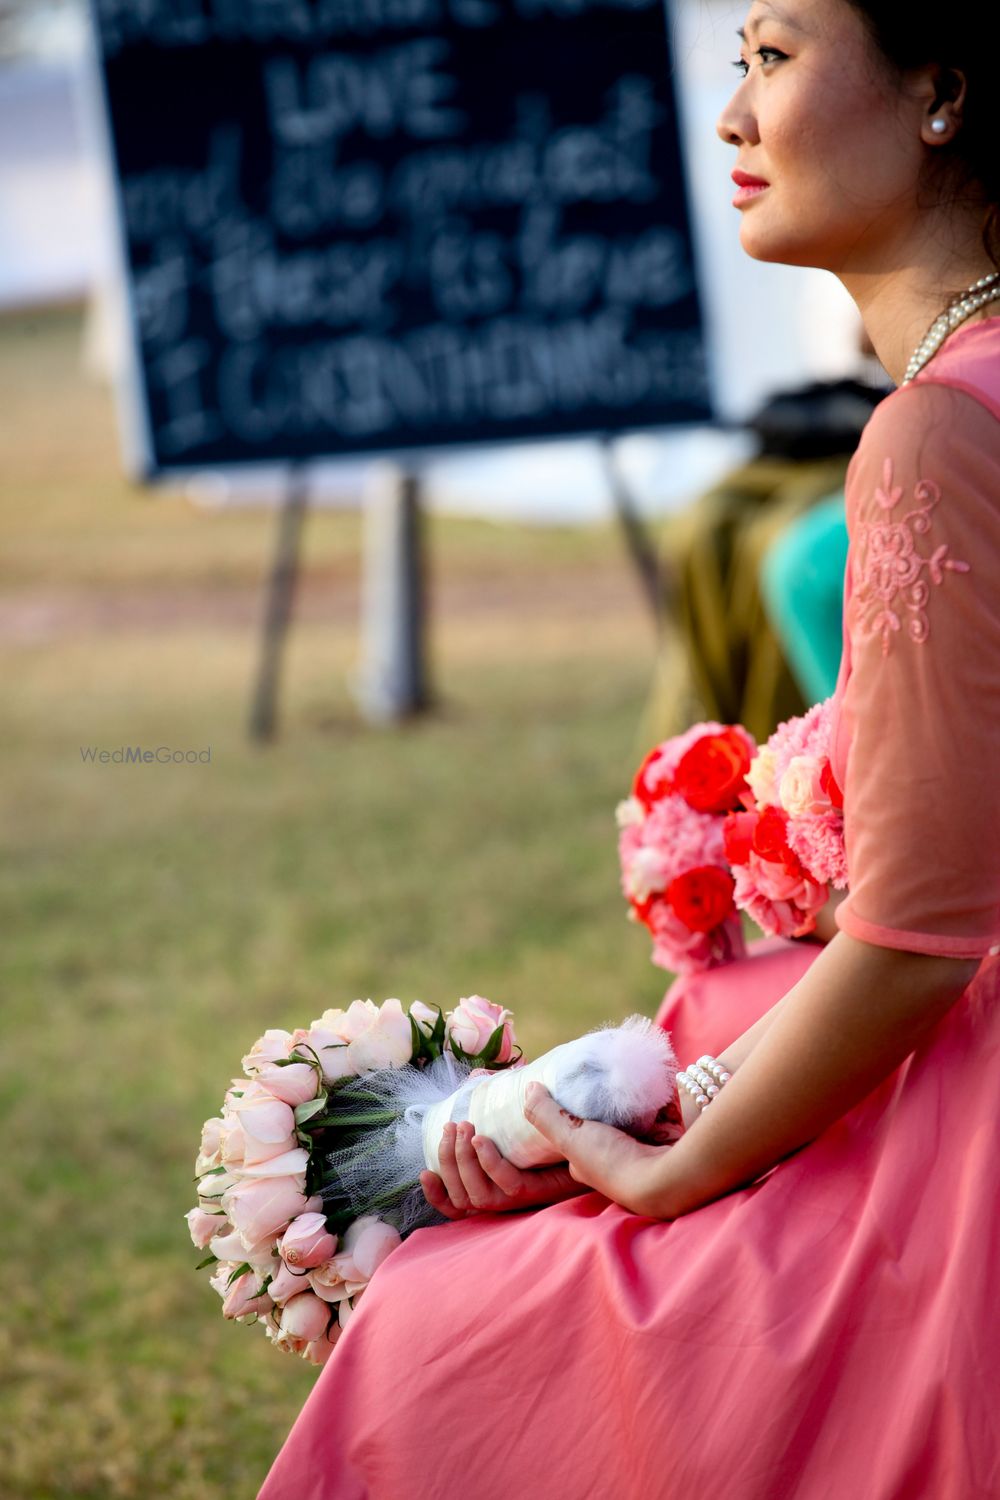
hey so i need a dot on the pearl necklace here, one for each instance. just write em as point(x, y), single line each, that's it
point(983, 291)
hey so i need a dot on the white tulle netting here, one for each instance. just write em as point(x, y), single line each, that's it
point(620, 1075)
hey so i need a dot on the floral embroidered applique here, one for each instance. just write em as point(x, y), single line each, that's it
point(891, 579)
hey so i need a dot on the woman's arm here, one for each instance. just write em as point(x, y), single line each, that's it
point(734, 1056)
point(738, 1051)
point(849, 1023)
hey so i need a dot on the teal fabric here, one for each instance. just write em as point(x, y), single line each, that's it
point(802, 584)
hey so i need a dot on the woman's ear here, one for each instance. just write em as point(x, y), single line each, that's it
point(943, 93)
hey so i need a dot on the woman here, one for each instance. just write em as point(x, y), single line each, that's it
point(796, 1299)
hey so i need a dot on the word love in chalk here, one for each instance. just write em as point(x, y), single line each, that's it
point(401, 90)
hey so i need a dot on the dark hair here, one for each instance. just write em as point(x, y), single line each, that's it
point(965, 37)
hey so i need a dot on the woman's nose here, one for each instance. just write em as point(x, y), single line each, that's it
point(737, 124)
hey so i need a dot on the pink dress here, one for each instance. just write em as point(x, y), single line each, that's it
point(831, 1332)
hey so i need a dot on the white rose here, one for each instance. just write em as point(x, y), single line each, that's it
point(630, 813)
point(425, 1016)
point(801, 789)
point(645, 874)
point(761, 778)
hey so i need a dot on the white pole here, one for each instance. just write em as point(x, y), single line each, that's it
point(391, 683)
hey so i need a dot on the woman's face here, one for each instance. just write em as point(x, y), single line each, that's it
point(820, 119)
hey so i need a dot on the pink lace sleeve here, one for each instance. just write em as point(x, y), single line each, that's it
point(922, 702)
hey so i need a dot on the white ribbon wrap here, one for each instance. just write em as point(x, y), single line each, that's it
point(620, 1075)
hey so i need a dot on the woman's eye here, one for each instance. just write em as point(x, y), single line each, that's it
point(766, 55)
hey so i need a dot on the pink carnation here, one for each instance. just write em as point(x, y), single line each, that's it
point(687, 837)
point(671, 839)
point(808, 735)
point(819, 844)
point(816, 836)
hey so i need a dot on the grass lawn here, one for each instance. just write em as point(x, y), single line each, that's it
point(157, 918)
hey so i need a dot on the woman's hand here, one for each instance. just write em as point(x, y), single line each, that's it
point(475, 1178)
point(623, 1169)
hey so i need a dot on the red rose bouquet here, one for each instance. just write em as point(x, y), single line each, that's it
point(675, 873)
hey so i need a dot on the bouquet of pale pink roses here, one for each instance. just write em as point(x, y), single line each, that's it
point(279, 1252)
point(675, 874)
point(787, 847)
point(309, 1177)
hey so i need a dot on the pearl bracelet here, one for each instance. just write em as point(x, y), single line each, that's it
point(703, 1080)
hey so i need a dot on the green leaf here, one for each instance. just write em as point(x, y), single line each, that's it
point(491, 1051)
point(304, 1112)
point(417, 1038)
point(239, 1271)
point(210, 1260)
point(366, 1119)
point(459, 1051)
point(487, 1056)
point(353, 1090)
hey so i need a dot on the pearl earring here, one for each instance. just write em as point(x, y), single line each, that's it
point(939, 126)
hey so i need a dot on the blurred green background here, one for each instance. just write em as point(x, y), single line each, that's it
point(157, 918)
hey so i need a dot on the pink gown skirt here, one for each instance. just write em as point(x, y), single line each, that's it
point(830, 1333)
point(706, 1012)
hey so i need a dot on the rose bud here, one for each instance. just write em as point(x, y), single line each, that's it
point(261, 1207)
point(307, 1242)
point(304, 1317)
point(243, 1298)
point(366, 1244)
point(318, 1351)
point(204, 1226)
point(473, 1022)
point(296, 1083)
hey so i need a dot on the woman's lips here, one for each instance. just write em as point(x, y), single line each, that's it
point(748, 188)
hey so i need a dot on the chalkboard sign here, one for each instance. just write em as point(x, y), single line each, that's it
point(369, 225)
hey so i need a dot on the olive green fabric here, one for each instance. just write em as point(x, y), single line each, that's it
point(721, 659)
